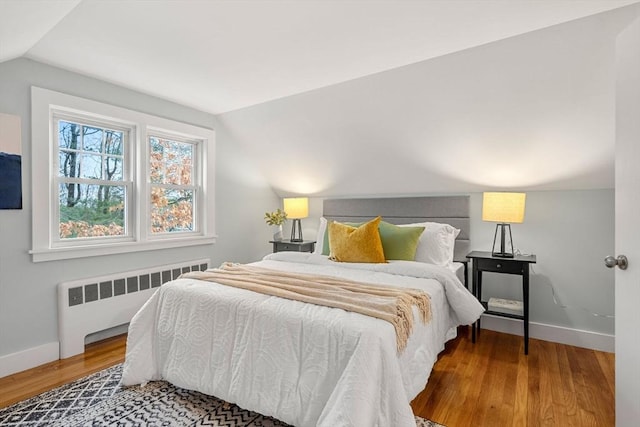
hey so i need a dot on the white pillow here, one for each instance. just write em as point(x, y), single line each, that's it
point(322, 228)
point(436, 243)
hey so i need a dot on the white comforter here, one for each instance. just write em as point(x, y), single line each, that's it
point(304, 364)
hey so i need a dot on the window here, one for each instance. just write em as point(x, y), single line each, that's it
point(119, 180)
point(172, 185)
point(93, 184)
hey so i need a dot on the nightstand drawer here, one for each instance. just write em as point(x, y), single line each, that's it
point(288, 245)
point(508, 266)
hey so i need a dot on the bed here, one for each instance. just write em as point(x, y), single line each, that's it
point(301, 363)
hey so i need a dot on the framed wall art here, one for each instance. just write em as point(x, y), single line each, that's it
point(10, 162)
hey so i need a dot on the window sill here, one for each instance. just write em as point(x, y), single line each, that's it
point(55, 254)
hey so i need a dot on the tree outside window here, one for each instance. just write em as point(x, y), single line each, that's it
point(172, 189)
point(91, 181)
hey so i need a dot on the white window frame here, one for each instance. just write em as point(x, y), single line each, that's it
point(128, 172)
point(46, 246)
point(198, 166)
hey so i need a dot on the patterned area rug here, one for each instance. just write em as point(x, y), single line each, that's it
point(99, 400)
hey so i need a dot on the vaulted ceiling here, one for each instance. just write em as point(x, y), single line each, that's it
point(219, 56)
point(363, 97)
point(532, 112)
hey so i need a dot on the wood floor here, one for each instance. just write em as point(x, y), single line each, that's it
point(96, 357)
point(490, 383)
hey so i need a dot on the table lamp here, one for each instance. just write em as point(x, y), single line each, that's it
point(296, 208)
point(505, 209)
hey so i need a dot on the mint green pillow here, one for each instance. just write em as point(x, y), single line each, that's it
point(399, 242)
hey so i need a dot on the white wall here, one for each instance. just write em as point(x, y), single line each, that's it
point(570, 232)
point(28, 290)
point(531, 113)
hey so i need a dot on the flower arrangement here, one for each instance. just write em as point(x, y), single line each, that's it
point(277, 217)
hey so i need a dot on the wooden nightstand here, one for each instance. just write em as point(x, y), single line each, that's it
point(519, 264)
point(288, 245)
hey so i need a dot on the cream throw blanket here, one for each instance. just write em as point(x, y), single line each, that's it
point(395, 305)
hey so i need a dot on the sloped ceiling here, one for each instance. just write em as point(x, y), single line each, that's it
point(363, 97)
point(532, 112)
point(220, 56)
point(24, 22)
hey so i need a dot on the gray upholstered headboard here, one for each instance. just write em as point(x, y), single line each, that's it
point(452, 210)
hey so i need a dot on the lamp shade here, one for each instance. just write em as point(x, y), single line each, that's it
point(296, 207)
point(503, 207)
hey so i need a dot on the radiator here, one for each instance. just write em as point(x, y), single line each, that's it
point(92, 305)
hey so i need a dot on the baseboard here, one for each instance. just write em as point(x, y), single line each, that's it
point(559, 334)
point(29, 358)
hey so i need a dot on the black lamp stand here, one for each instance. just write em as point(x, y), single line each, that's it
point(296, 231)
point(503, 251)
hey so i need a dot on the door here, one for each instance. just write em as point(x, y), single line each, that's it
point(627, 235)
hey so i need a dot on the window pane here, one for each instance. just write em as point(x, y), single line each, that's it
point(171, 210)
point(113, 168)
point(181, 162)
point(92, 139)
point(157, 166)
point(155, 145)
point(68, 135)
point(171, 161)
point(186, 172)
point(90, 166)
point(69, 164)
point(178, 174)
point(113, 142)
point(88, 210)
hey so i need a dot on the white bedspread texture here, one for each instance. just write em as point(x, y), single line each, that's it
point(304, 364)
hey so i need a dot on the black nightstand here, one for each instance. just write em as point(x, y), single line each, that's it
point(519, 265)
point(288, 245)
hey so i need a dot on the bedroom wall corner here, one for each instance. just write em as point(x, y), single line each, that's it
point(243, 198)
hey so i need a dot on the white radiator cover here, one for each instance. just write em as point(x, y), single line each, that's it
point(92, 305)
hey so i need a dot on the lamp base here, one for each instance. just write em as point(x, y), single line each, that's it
point(502, 253)
point(296, 231)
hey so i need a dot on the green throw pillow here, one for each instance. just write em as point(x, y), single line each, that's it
point(399, 242)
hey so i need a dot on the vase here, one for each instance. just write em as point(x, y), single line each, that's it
point(277, 233)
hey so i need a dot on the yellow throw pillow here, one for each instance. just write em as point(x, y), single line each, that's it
point(356, 244)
